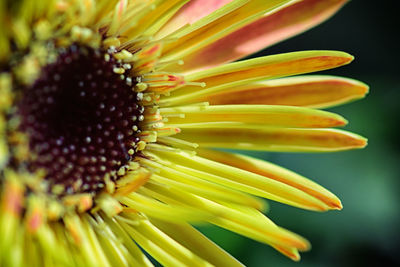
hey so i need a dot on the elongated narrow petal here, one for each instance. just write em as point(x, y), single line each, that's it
point(133, 254)
point(289, 252)
point(275, 172)
point(275, 139)
point(278, 25)
point(11, 200)
point(263, 68)
point(172, 177)
point(151, 22)
point(243, 220)
point(84, 237)
point(209, 30)
point(242, 180)
point(191, 238)
point(306, 91)
point(284, 116)
point(149, 205)
point(190, 13)
point(161, 246)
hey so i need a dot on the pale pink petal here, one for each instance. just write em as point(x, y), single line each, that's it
point(282, 24)
point(191, 12)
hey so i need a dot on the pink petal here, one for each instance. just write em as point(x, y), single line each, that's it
point(284, 23)
point(191, 12)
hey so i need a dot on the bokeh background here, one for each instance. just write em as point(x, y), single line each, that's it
point(366, 231)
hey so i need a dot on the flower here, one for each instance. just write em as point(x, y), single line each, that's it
point(109, 110)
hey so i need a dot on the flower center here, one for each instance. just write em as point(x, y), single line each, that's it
point(81, 119)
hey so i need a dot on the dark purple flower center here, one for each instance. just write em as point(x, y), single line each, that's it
point(81, 119)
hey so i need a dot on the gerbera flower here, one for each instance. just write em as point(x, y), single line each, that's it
point(109, 110)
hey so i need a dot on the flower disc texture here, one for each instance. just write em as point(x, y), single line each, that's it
point(110, 113)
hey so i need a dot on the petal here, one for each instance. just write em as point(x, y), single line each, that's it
point(262, 68)
point(190, 13)
point(162, 247)
point(272, 171)
point(274, 139)
point(147, 20)
point(191, 238)
point(148, 205)
point(275, 26)
point(211, 28)
point(174, 178)
point(85, 238)
point(239, 179)
point(292, 253)
point(113, 245)
point(243, 220)
point(305, 91)
point(132, 251)
point(276, 116)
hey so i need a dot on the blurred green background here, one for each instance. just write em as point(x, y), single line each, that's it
point(366, 231)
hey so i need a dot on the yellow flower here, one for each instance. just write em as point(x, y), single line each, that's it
point(109, 110)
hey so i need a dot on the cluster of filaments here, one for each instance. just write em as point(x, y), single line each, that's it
point(82, 119)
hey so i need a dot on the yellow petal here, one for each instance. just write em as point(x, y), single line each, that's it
point(154, 208)
point(191, 238)
point(274, 139)
point(272, 171)
point(277, 116)
point(243, 220)
point(12, 201)
point(241, 180)
point(162, 247)
point(51, 244)
point(85, 239)
point(171, 177)
point(133, 251)
point(116, 243)
point(305, 91)
point(257, 69)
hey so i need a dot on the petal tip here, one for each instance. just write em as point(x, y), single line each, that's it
point(295, 258)
point(336, 205)
point(339, 121)
point(306, 246)
point(345, 57)
point(342, 122)
point(359, 88)
point(361, 142)
point(364, 89)
point(332, 202)
point(357, 142)
point(349, 58)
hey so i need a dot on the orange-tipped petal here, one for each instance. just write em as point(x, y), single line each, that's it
point(274, 172)
point(283, 116)
point(274, 139)
point(292, 253)
point(242, 180)
point(242, 220)
point(269, 67)
point(305, 91)
point(282, 23)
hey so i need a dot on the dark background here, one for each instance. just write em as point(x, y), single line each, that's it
point(366, 231)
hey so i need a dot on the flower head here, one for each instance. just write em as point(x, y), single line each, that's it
point(109, 110)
